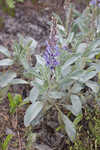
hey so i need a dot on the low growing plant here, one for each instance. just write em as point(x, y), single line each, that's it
point(4, 145)
point(62, 73)
point(14, 102)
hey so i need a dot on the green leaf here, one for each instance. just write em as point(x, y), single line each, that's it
point(6, 142)
point(93, 85)
point(76, 88)
point(40, 82)
point(89, 75)
point(70, 37)
point(95, 44)
point(92, 48)
point(6, 78)
point(85, 76)
point(4, 51)
point(12, 103)
point(25, 64)
point(82, 26)
point(37, 120)
point(56, 94)
point(70, 61)
point(65, 70)
point(34, 93)
point(18, 99)
point(69, 127)
point(81, 48)
point(20, 0)
point(61, 27)
point(78, 119)
point(6, 62)
point(97, 66)
point(40, 60)
point(18, 81)
point(31, 43)
point(76, 107)
point(10, 3)
point(92, 54)
point(32, 112)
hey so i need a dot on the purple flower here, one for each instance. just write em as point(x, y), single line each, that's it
point(52, 50)
point(50, 55)
point(94, 2)
point(65, 48)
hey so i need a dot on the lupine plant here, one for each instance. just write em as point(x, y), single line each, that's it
point(62, 72)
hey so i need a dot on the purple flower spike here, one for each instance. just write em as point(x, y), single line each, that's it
point(52, 50)
point(94, 2)
point(50, 55)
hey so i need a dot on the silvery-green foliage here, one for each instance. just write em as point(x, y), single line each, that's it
point(63, 86)
point(69, 127)
point(22, 50)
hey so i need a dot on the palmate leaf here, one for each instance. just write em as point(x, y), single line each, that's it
point(32, 112)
